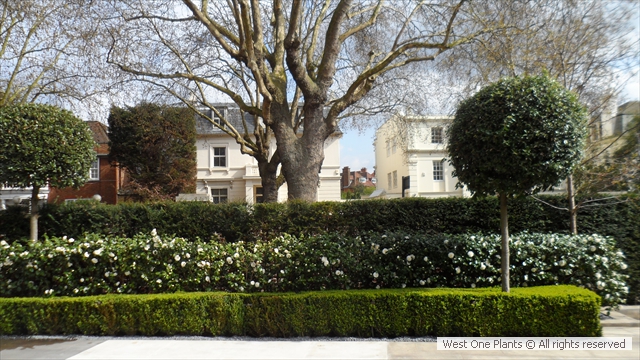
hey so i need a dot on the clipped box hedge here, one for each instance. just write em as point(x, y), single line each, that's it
point(535, 311)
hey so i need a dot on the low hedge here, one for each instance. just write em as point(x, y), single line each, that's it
point(539, 311)
point(150, 263)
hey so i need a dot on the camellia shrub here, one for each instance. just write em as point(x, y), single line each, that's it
point(148, 263)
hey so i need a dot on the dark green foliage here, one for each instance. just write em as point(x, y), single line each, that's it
point(156, 144)
point(541, 311)
point(517, 136)
point(265, 221)
point(43, 145)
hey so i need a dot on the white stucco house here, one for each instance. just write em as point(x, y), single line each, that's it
point(414, 146)
point(14, 196)
point(225, 174)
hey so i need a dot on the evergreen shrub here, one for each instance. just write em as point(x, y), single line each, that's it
point(149, 263)
point(540, 311)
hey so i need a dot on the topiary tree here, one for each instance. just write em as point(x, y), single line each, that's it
point(40, 145)
point(516, 137)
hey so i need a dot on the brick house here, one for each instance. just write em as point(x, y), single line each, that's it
point(350, 179)
point(104, 179)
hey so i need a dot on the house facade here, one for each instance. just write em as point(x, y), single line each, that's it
point(350, 179)
point(414, 147)
point(105, 179)
point(225, 174)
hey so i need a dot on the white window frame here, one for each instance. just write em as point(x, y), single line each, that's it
point(214, 156)
point(395, 179)
point(438, 170)
point(94, 171)
point(217, 197)
point(437, 135)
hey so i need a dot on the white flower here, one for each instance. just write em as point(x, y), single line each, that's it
point(592, 248)
point(425, 259)
point(375, 275)
point(377, 286)
point(159, 281)
point(482, 266)
point(458, 270)
point(451, 255)
point(446, 241)
point(473, 285)
point(338, 272)
point(534, 269)
point(112, 255)
point(325, 261)
point(107, 274)
point(188, 256)
point(409, 258)
point(598, 275)
point(147, 247)
point(207, 279)
point(422, 282)
point(526, 278)
point(404, 286)
point(81, 280)
point(275, 250)
point(288, 256)
point(86, 254)
point(282, 272)
point(183, 264)
point(229, 260)
point(562, 263)
point(94, 260)
point(154, 232)
point(470, 254)
point(385, 251)
point(253, 282)
point(127, 273)
point(69, 264)
point(472, 237)
point(236, 255)
point(98, 252)
point(623, 266)
point(257, 284)
point(177, 257)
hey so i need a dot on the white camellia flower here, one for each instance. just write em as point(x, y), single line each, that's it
point(377, 286)
point(425, 259)
point(409, 258)
point(451, 255)
point(446, 241)
point(257, 284)
point(98, 252)
point(236, 255)
point(562, 263)
point(592, 248)
point(127, 273)
point(385, 251)
point(94, 260)
point(154, 232)
point(483, 266)
point(473, 285)
point(159, 281)
point(229, 260)
point(470, 254)
point(534, 269)
point(183, 264)
point(177, 257)
point(207, 279)
point(458, 270)
point(623, 266)
point(422, 282)
point(375, 275)
point(147, 247)
point(338, 272)
point(86, 254)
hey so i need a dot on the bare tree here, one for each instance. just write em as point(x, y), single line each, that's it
point(585, 45)
point(49, 53)
point(294, 66)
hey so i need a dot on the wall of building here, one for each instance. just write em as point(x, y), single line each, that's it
point(106, 186)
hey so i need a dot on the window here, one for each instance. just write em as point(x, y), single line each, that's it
point(373, 180)
point(438, 171)
point(258, 195)
point(219, 196)
point(94, 171)
point(363, 179)
point(395, 179)
point(436, 135)
point(389, 181)
point(388, 149)
point(219, 157)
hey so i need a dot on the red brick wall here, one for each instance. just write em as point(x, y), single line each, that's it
point(107, 186)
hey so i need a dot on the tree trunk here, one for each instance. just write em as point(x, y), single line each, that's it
point(34, 213)
point(269, 176)
point(504, 229)
point(302, 156)
point(573, 210)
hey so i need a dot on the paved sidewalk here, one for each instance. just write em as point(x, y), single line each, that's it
point(623, 323)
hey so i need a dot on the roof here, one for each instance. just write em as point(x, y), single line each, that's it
point(99, 131)
point(234, 116)
point(629, 108)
